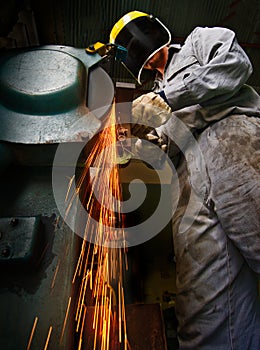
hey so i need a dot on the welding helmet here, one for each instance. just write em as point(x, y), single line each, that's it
point(142, 35)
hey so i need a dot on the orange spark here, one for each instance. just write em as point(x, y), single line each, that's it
point(48, 338)
point(65, 320)
point(32, 333)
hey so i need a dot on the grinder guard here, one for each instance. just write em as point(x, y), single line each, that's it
point(47, 93)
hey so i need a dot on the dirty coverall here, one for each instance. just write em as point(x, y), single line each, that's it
point(217, 239)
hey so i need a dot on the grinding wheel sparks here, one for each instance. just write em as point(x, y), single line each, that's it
point(100, 266)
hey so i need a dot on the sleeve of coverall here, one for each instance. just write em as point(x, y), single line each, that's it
point(222, 68)
point(233, 168)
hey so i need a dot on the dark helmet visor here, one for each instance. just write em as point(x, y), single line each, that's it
point(142, 37)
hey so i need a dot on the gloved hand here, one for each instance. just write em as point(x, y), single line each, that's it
point(152, 148)
point(160, 141)
point(148, 112)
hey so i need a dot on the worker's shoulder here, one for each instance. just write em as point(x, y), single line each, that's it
point(200, 31)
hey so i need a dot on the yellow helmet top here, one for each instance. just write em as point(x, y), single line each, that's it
point(123, 22)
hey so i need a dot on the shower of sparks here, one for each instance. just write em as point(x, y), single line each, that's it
point(101, 266)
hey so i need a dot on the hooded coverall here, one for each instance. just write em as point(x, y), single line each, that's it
point(217, 251)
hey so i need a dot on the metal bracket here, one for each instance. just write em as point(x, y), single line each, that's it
point(119, 52)
point(19, 240)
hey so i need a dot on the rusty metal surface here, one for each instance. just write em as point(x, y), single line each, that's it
point(145, 329)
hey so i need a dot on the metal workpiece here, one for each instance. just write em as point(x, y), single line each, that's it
point(52, 94)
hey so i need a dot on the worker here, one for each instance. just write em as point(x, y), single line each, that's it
point(202, 85)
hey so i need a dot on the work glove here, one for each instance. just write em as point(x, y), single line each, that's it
point(152, 149)
point(160, 141)
point(149, 111)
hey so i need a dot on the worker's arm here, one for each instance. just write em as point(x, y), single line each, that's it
point(218, 70)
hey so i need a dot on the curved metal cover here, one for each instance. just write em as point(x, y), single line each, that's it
point(44, 94)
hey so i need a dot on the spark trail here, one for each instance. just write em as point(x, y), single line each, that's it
point(100, 267)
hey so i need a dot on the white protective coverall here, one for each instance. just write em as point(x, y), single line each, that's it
point(216, 230)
